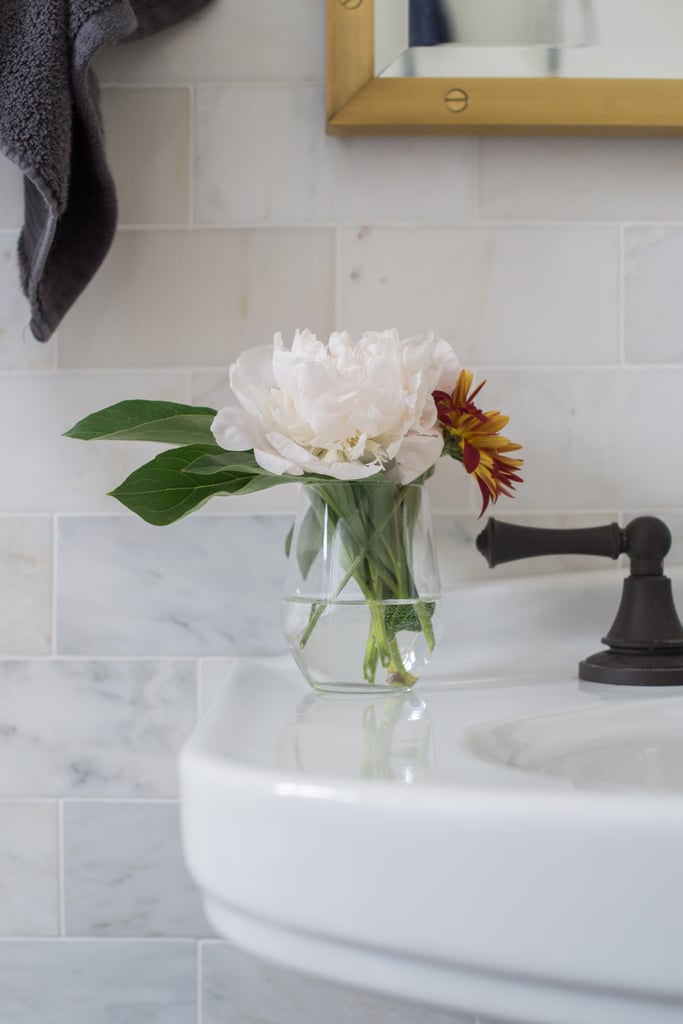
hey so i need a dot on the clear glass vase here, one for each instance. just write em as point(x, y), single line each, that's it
point(361, 604)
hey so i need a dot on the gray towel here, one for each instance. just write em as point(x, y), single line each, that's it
point(50, 126)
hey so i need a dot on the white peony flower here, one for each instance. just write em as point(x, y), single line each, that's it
point(343, 409)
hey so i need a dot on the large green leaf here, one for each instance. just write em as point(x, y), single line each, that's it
point(144, 420)
point(219, 460)
point(163, 490)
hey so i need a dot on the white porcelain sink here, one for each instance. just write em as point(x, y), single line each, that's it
point(504, 840)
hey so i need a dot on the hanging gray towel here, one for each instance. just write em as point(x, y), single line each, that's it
point(50, 126)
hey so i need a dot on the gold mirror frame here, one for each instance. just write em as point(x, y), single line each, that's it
point(360, 104)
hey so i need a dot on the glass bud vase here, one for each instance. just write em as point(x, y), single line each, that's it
point(361, 603)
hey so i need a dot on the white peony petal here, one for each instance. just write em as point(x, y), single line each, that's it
point(418, 453)
point(251, 378)
point(345, 401)
point(288, 449)
point(449, 367)
point(293, 452)
point(418, 352)
point(274, 464)
point(231, 429)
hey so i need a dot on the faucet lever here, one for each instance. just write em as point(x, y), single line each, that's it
point(502, 542)
point(646, 638)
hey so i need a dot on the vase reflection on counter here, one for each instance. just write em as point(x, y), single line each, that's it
point(361, 604)
point(390, 739)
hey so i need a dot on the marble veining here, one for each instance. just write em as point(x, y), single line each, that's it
point(73, 727)
point(29, 889)
point(124, 874)
point(103, 982)
point(237, 987)
point(25, 585)
point(204, 586)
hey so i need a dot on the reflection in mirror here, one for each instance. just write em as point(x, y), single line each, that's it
point(636, 39)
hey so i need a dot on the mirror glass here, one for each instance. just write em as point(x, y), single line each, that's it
point(615, 39)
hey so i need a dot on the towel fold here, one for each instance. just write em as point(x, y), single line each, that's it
point(51, 127)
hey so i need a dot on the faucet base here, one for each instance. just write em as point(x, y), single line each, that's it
point(633, 669)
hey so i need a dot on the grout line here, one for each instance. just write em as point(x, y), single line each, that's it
point(77, 371)
point(90, 800)
point(60, 656)
point(145, 85)
point(99, 939)
point(411, 224)
point(173, 801)
point(211, 82)
point(180, 372)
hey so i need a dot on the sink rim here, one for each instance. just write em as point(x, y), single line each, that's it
point(568, 855)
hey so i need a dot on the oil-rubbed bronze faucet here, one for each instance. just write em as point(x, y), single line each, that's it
point(646, 638)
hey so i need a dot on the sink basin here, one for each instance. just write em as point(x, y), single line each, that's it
point(502, 840)
point(631, 741)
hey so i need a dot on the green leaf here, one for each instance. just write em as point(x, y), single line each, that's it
point(143, 420)
point(220, 460)
point(310, 538)
point(288, 540)
point(163, 490)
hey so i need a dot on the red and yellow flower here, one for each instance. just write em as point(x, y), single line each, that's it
point(473, 438)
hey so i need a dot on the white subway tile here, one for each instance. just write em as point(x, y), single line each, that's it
point(229, 39)
point(49, 472)
point(581, 179)
point(213, 674)
point(11, 194)
point(29, 887)
point(18, 348)
point(26, 590)
point(653, 295)
point(53, 982)
point(93, 728)
point(592, 438)
point(204, 586)
point(460, 561)
point(148, 146)
point(197, 298)
point(289, 170)
point(239, 987)
point(124, 874)
point(515, 294)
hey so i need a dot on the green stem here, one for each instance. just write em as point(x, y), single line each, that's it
point(425, 621)
point(376, 557)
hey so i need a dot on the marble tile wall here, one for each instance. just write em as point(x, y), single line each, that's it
point(554, 267)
